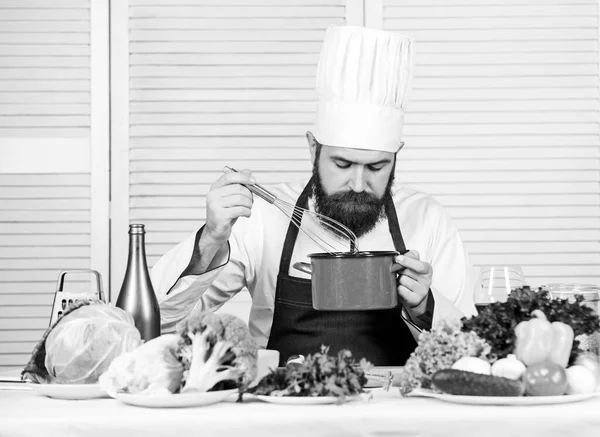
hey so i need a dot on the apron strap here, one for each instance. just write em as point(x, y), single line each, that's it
point(400, 247)
point(394, 226)
point(292, 232)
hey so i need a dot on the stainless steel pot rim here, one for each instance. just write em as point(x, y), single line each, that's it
point(359, 254)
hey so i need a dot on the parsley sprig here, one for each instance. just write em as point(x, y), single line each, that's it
point(320, 374)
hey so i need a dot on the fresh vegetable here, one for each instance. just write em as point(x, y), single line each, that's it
point(590, 361)
point(580, 380)
point(217, 351)
point(439, 349)
point(545, 379)
point(533, 340)
point(538, 340)
point(320, 374)
point(81, 344)
point(509, 367)
point(460, 382)
point(496, 322)
point(562, 343)
point(473, 364)
point(152, 368)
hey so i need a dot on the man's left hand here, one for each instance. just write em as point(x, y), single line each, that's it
point(414, 282)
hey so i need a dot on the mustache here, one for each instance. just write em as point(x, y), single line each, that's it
point(354, 199)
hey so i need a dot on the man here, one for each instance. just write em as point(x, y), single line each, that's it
point(362, 82)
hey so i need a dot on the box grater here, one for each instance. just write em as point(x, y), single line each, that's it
point(62, 298)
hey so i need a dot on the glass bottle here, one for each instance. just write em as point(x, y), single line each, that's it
point(137, 295)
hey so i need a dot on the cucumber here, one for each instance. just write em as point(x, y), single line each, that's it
point(461, 382)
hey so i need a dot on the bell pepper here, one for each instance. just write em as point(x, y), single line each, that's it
point(562, 343)
point(539, 340)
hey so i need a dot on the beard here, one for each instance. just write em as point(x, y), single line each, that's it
point(360, 212)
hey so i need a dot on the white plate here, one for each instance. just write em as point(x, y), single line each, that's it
point(180, 400)
point(503, 400)
point(304, 400)
point(70, 391)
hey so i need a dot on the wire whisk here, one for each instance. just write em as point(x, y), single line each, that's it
point(329, 234)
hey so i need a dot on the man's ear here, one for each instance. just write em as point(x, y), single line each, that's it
point(312, 146)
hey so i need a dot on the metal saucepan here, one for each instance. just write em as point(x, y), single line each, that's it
point(347, 281)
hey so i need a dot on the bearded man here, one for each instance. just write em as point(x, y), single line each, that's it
point(363, 79)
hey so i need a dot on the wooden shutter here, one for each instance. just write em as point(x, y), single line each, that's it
point(502, 126)
point(215, 83)
point(46, 180)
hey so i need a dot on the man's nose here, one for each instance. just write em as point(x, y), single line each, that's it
point(357, 182)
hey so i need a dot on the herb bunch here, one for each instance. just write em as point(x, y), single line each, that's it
point(321, 374)
point(438, 349)
point(496, 322)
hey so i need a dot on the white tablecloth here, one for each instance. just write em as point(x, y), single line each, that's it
point(25, 413)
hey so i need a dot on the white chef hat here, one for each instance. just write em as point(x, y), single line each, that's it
point(363, 79)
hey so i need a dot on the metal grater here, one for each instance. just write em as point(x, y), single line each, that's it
point(62, 299)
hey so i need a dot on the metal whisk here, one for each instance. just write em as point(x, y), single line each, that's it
point(330, 235)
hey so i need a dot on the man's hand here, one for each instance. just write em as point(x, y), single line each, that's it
point(226, 201)
point(414, 282)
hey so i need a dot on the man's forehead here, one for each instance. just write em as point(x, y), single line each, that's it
point(361, 156)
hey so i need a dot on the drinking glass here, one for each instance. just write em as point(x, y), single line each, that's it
point(591, 298)
point(494, 283)
point(568, 291)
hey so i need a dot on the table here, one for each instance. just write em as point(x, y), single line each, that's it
point(25, 413)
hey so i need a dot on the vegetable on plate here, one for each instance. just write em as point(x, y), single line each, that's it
point(580, 380)
point(216, 350)
point(545, 379)
point(509, 367)
point(496, 322)
point(539, 340)
point(473, 364)
point(152, 368)
point(209, 352)
point(320, 374)
point(82, 344)
point(460, 382)
point(439, 349)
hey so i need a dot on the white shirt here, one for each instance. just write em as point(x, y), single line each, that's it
point(255, 250)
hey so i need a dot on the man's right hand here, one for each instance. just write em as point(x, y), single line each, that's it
point(226, 201)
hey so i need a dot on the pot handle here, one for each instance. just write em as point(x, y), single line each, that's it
point(303, 267)
point(397, 272)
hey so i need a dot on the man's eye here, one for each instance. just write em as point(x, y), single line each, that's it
point(342, 165)
point(375, 167)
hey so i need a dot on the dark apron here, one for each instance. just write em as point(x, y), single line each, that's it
point(380, 336)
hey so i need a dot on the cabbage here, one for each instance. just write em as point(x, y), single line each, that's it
point(80, 346)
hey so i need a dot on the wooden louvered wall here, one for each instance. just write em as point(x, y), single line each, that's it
point(215, 83)
point(54, 202)
point(45, 221)
point(502, 127)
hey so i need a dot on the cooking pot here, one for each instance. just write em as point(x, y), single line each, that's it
point(352, 281)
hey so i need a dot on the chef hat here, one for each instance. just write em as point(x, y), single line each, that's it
point(363, 79)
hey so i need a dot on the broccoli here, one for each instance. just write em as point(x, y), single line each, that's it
point(215, 350)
